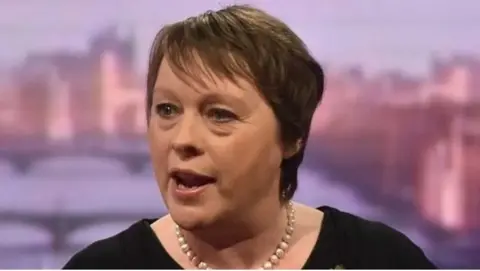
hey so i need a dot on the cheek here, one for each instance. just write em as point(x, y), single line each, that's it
point(248, 156)
point(158, 142)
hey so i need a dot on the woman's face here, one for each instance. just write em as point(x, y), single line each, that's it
point(215, 149)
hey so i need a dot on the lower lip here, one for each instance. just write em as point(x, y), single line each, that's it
point(183, 193)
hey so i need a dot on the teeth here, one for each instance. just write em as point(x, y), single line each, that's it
point(184, 187)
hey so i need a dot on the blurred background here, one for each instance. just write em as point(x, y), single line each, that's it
point(397, 138)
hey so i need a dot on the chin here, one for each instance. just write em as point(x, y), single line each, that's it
point(191, 217)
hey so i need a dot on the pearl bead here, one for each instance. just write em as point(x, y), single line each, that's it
point(289, 230)
point(274, 259)
point(280, 253)
point(195, 260)
point(202, 265)
point(286, 238)
point(283, 245)
point(267, 265)
point(181, 240)
point(185, 248)
point(190, 255)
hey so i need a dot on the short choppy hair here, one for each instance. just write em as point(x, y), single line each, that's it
point(240, 41)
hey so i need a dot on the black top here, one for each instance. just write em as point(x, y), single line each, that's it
point(345, 242)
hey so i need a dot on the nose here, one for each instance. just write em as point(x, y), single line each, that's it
point(185, 142)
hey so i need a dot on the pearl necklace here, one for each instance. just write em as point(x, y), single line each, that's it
point(277, 255)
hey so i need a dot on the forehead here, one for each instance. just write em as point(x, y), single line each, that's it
point(202, 81)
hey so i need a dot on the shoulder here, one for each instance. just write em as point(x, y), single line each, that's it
point(376, 244)
point(107, 253)
point(104, 253)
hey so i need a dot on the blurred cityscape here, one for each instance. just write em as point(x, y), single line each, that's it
point(66, 103)
point(408, 144)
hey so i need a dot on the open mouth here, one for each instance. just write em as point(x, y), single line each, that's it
point(189, 180)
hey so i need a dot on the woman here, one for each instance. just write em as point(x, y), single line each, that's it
point(231, 95)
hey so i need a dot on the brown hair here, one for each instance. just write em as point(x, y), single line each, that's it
point(242, 41)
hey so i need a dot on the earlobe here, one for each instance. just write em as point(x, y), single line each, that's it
point(293, 149)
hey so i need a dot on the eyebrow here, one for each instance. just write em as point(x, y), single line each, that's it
point(230, 100)
point(163, 91)
point(161, 88)
point(219, 97)
point(211, 96)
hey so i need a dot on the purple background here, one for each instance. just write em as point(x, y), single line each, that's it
point(395, 140)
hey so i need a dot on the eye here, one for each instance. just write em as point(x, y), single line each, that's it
point(166, 110)
point(221, 115)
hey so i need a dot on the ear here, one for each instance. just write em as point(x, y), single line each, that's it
point(292, 149)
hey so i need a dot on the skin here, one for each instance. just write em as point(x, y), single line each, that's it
point(226, 131)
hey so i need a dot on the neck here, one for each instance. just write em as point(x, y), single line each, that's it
point(242, 242)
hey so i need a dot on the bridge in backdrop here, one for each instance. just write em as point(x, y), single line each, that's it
point(22, 154)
